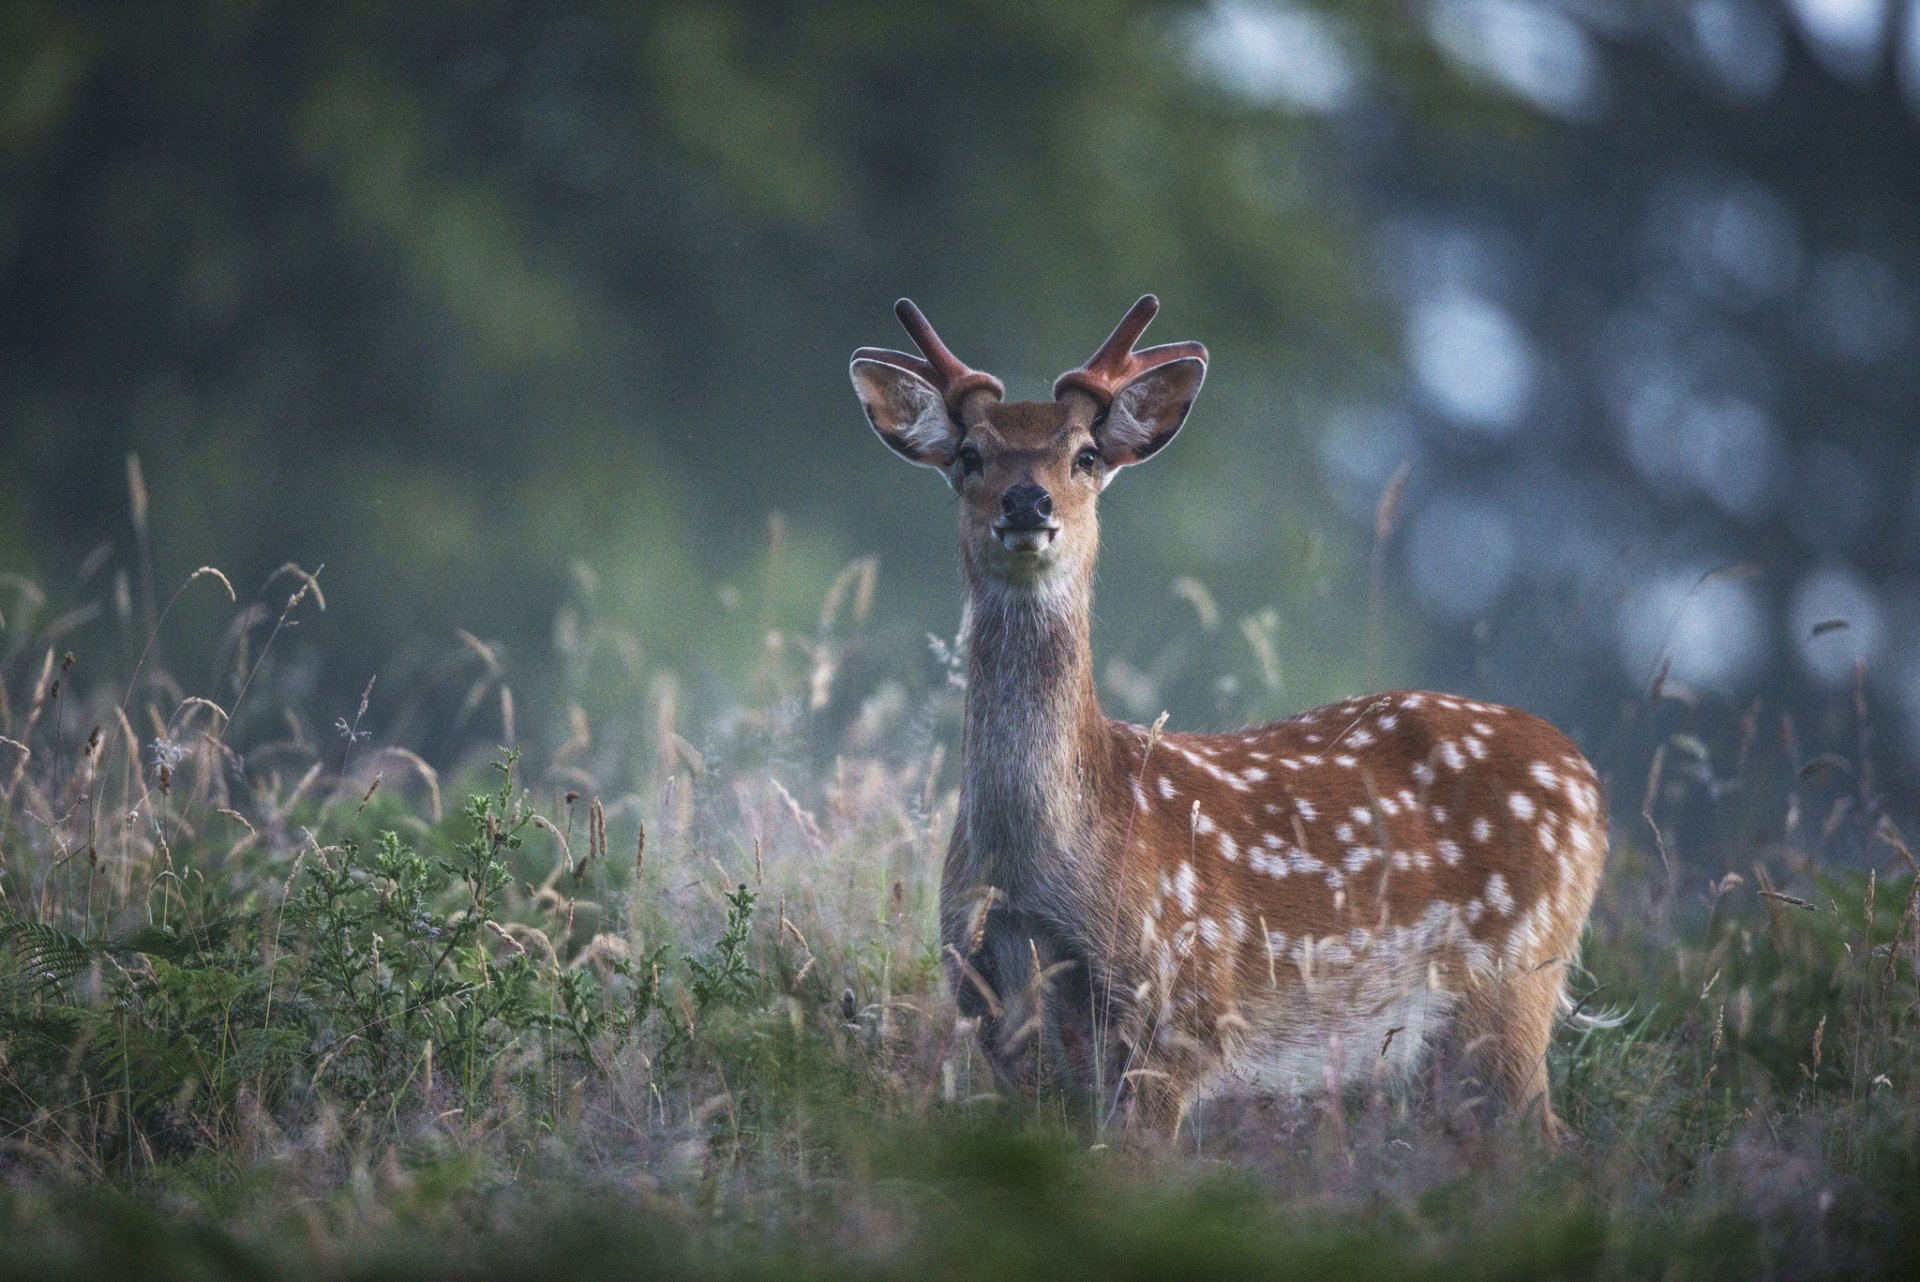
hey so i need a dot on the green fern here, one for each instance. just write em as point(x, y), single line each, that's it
point(42, 961)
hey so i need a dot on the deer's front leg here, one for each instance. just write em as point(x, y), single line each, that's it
point(1160, 1053)
point(1031, 999)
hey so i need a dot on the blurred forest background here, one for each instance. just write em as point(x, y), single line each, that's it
point(517, 316)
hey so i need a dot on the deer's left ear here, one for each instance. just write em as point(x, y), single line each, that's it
point(1145, 414)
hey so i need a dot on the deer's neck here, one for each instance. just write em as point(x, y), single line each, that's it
point(1035, 742)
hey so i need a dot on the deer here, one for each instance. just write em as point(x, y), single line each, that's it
point(1140, 917)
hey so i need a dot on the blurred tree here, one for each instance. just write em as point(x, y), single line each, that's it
point(1663, 364)
point(454, 298)
point(448, 297)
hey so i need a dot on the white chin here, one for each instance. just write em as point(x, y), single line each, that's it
point(1034, 541)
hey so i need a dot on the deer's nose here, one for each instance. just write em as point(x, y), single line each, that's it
point(1026, 506)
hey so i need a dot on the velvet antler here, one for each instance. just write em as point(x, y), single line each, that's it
point(953, 377)
point(1116, 364)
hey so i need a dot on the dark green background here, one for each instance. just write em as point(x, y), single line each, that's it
point(456, 299)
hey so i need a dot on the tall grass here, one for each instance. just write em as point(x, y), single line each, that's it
point(659, 992)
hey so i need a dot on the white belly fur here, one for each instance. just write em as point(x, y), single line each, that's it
point(1303, 1050)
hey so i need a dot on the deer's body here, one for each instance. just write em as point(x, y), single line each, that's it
point(1145, 914)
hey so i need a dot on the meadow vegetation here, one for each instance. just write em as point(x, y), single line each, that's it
point(661, 996)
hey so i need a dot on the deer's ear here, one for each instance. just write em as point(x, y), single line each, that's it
point(1147, 412)
point(906, 411)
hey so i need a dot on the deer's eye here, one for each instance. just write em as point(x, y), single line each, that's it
point(969, 460)
point(1087, 460)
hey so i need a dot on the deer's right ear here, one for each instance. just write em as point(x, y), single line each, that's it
point(907, 412)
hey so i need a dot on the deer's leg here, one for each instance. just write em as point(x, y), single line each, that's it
point(1033, 1005)
point(1158, 1076)
point(1153, 1103)
point(1073, 1039)
point(1505, 1028)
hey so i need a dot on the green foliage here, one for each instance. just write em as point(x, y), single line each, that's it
point(392, 975)
point(724, 977)
point(298, 1034)
point(44, 960)
point(396, 957)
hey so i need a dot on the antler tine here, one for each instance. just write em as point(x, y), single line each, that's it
point(1115, 362)
point(920, 330)
point(953, 377)
point(1113, 353)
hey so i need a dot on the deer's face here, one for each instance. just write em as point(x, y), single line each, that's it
point(1029, 473)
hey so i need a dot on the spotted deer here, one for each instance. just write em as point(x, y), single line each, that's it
point(1144, 916)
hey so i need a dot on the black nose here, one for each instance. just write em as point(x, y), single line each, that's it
point(1026, 506)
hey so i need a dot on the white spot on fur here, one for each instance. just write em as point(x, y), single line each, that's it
point(1360, 856)
point(1521, 805)
point(1236, 925)
point(1482, 829)
point(1498, 896)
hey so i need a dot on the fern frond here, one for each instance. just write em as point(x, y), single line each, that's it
point(40, 959)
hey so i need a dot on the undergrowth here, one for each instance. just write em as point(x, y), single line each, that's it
point(666, 1001)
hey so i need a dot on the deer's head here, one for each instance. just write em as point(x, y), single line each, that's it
point(1028, 473)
